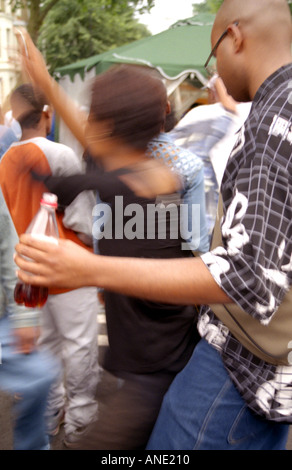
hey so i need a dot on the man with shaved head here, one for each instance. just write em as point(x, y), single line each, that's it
point(236, 390)
point(257, 43)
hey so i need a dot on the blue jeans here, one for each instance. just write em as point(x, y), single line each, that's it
point(196, 228)
point(28, 379)
point(203, 410)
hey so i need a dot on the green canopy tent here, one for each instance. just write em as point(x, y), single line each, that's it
point(178, 54)
point(181, 49)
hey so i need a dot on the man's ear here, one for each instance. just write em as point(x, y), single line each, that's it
point(48, 113)
point(236, 34)
point(47, 110)
point(168, 107)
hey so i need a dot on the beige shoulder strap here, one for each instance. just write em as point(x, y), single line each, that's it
point(272, 342)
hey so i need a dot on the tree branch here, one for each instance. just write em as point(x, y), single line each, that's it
point(46, 8)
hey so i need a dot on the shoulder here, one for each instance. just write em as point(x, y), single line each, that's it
point(48, 145)
point(62, 159)
point(23, 154)
point(273, 125)
point(164, 147)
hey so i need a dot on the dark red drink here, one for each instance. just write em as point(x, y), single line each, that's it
point(43, 227)
point(30, 296)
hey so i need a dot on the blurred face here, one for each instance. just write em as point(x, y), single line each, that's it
point(98, 137)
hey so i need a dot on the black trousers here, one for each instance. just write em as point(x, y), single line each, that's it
point(127, 415)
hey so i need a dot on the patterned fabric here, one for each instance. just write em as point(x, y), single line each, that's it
point(190, 169)
point(185, 163)
point(254, 267)
point(188, 163)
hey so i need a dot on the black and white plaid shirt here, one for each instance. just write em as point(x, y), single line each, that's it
point(255, 266)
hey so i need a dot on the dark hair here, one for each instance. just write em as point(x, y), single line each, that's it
point(134, 99)
point(36, 100)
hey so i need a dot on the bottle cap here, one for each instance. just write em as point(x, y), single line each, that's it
point(50, 199)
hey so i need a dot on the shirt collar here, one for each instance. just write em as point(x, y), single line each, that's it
point(163, 137)
point(279, 77)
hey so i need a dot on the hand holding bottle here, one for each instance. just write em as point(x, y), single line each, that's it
point(65, 265)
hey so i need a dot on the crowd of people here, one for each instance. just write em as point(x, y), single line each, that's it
point(197, 302)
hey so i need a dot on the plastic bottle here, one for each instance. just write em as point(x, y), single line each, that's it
point(44, 227)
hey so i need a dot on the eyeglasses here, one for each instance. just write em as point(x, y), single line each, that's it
point(213, 51)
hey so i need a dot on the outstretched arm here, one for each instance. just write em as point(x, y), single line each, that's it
point(35, 68)
point(176, 281)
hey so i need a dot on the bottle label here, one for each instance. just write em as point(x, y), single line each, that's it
point(45, 238)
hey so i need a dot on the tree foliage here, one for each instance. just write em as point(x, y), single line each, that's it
point(75, 30)
point(208, 6)
point(38, 10)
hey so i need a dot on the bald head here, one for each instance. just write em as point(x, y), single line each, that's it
point(258, 43)
point(259, 17)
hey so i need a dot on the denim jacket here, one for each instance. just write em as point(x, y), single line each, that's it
point(21, 316)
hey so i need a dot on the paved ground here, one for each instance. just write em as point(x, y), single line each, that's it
point(57, 444)
point(106, 384)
